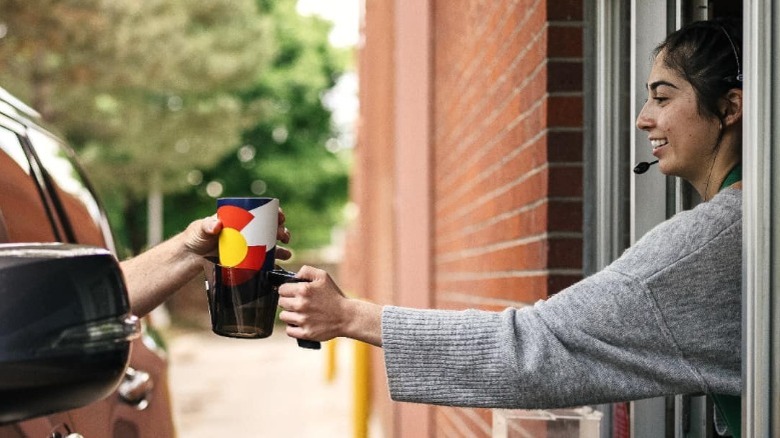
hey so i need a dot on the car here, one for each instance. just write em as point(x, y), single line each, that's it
point(50, 212)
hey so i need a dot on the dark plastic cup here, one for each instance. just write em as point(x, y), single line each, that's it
point(242, 302)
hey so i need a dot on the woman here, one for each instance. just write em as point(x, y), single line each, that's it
point(662, 319)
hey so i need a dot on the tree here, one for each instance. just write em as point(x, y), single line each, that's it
point(144, 90)
point(292, 150)
point(154, 94)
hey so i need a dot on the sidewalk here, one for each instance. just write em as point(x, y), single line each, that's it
point(258, 388)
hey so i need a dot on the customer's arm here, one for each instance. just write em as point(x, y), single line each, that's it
point(157, 273)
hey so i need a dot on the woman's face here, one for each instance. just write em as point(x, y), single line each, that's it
point(682, 139)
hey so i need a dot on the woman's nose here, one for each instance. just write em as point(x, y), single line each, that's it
point(644, 121)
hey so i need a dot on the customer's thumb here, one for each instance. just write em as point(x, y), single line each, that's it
point(212, 225)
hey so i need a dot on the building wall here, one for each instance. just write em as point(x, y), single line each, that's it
point(367, 270)
point(507, 141)
point(497, 162)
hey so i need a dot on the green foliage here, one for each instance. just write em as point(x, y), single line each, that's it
point(155, 93)
point(283, 154)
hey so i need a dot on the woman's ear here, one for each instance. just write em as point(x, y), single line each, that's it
point(732, 107)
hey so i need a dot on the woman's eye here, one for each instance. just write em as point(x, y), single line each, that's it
point(660, 99)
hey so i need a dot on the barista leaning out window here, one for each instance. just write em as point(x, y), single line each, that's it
point(662, 319)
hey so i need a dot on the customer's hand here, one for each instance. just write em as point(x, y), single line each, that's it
point(152, 276)
point(201, 237)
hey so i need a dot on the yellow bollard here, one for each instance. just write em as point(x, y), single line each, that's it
point(330, 360)
point(362, 389)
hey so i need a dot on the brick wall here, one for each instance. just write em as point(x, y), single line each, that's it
point(508, 150)
point(367, 271)
point(505, 176)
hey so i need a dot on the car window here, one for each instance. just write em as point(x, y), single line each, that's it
point(23, 216)
point(76, 200)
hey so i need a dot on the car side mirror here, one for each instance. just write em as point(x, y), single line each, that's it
point(65, 328)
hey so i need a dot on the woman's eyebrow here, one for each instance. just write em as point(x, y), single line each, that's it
point(653, 85)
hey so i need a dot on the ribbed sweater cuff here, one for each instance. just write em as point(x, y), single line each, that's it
point(426, 359)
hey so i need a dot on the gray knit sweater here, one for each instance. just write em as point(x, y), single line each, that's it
point(662, 319)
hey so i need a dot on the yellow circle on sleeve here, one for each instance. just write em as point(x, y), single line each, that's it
point(232, 247)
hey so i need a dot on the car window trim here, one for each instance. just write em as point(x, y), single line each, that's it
point(20, 130)
point(105, 230)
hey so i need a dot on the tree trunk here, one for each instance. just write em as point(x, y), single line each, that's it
point(155, 212)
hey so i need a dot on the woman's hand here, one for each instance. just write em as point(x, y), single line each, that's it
point(317, 310)
point(313, 309)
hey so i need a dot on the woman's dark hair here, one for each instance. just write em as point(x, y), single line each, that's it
point(708, 54)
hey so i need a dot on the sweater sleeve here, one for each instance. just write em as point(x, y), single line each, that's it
point(552, 354)
point(662, 319)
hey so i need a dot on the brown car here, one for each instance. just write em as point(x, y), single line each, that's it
point(44, 197)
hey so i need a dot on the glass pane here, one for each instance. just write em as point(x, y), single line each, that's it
point(23, 216)
point(76, 200)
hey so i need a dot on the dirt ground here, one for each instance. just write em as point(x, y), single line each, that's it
point(223, 387)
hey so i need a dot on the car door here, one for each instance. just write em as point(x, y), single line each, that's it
point(141, 406)
point(45, 198)
point(24, 216)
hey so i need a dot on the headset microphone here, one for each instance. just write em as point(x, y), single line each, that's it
point(642, 167)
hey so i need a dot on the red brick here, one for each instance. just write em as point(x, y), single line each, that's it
point(564, 10)
point(565, 146)
point(564, 76)
point(564, 216)
point(564, 111)
point(557, 283)
point(521, 287)
point(564, 42)
point(565, 253)
point(566, 181)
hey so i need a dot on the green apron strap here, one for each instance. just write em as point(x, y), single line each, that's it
point(730, 406)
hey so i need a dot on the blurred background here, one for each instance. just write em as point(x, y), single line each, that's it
point(170, 104)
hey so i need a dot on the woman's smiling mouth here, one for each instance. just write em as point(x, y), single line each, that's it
point(658, 143)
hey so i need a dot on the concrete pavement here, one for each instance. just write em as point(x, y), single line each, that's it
point(223, 387)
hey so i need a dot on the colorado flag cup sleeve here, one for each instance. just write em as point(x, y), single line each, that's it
point(248, 236)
